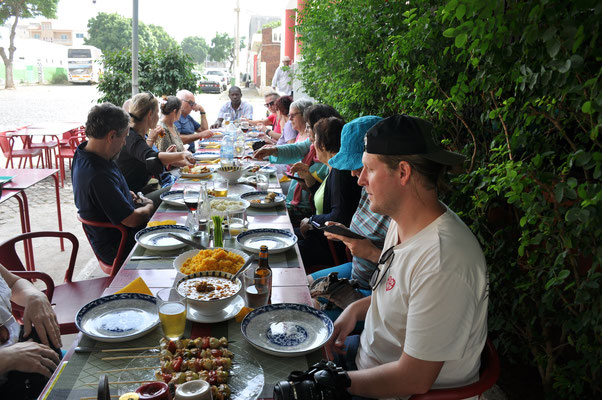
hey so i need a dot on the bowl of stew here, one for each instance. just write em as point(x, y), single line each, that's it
point(209, 292)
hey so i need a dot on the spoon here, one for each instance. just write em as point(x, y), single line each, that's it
point(244, 267)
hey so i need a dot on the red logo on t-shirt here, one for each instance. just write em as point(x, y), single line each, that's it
point(390, 283)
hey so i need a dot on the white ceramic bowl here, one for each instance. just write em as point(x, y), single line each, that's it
point(214, 306)
point(230, 173)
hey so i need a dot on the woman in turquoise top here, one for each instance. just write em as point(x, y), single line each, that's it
point(299, 199)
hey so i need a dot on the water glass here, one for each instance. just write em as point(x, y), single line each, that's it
point(256, 289)
point(262, 180)
point(172, 313)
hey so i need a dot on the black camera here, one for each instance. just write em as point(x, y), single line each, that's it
point(323, 380)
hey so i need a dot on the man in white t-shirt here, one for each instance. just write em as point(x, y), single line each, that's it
point(426, 321)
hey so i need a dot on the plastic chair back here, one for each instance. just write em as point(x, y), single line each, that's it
point(110, 269)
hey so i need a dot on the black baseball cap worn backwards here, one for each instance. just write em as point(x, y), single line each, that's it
point(406, 135)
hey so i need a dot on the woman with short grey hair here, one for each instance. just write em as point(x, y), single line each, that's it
point(294, 130)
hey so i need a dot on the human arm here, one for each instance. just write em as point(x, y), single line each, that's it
point(265, 151)
point(154, 134)
point(186, 139)
point(140, 215)
point(345, 324)
point(28, 357)
point(403, 377)
point(204, 125)
point(341, 198)
point(178, 159)
point(362, 248)
point(303, 171)
point(38, 311)
point(140, 150)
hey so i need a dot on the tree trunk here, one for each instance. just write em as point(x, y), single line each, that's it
point(8, 61)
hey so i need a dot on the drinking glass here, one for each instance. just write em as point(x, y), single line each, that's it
point(237, 222)
point(226, 120)
point(220, 187)
point(191, 199)
point(256, 289)
point(172, 313)
point(244, 126)
point(263, 180)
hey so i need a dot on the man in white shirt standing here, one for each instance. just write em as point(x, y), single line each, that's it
point(426, 321)
point(283, 77)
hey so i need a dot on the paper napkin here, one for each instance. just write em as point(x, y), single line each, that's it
point(136, 286)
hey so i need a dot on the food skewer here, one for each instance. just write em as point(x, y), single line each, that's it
point(120, 383)
point(92, 349)
point(110, 371)
point(129, 357)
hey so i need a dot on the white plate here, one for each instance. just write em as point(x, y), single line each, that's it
point(118, 317)
point(179, 261)
point(246, 380)
point(260, 195)
point(244, 204)
point(196, 176)
point(224, 315)
point(277, 240)
point(157, 237)
point(265, 169)
point(286, 330)
point(206, 156)
point(174, 198)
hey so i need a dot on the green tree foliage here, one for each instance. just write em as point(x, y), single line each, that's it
point(111, 32)
point(196, 47)
point(515, 86)
point(222, 48)
point(18, 9)
point(161, 72)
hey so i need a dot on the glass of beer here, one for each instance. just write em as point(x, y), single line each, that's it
point(256, 288)
point(262, 180)
point(172, 313)
point(237, 222)
point(220, 187)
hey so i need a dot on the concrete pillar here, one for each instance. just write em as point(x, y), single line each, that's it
point(289, 33)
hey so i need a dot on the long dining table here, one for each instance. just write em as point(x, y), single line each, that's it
point(77, 376)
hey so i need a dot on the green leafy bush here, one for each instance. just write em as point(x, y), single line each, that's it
point(162, 72)
point(59, 77)
point(515, 86)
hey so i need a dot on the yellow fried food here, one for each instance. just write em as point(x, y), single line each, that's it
point(242, 314)
point(165, 222)
point(213, 260)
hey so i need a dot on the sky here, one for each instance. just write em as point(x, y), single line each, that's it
point(180, 18)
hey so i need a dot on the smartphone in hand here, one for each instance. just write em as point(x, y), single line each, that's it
point(294, 177)
point(338, 230)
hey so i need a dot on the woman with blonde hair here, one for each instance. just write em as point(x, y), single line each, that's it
point(138, 161)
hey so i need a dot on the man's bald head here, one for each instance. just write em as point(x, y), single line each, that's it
point(187, 99)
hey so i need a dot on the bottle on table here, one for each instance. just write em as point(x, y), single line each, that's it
point(263, 271)
point(259, 281)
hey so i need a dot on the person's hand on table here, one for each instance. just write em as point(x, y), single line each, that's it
point(265, 151)
point(205, 134)
point(304, 226)
point(185, 160)
point(39, 314)
point(29, 356)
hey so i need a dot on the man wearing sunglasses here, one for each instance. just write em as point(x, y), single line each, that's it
point(190, 130)
point(426, 320)
point(271, 119)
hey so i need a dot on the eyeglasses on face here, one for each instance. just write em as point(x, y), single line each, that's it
point(386, 258)
point(307, 127)
point(293, 115)
point(270, 104)
point(191, 102)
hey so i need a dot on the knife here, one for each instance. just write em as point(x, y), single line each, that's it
point(140, 258)
point(188, 242)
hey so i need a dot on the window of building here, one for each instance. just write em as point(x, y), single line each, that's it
point(63, 37)
point(79, 35)
point(36, 36)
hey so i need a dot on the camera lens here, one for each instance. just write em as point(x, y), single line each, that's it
point(282, 391)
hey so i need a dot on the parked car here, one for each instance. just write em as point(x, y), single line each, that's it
point(210, 84)
point(220, 74)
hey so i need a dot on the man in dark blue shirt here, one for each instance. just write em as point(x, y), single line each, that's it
point(99, 188)
point(190, 130)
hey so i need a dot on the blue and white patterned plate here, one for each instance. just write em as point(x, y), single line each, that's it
point(286, 330)
point(257, 198)
point(157, 237)
point(277, 240)
point(206, 156)
point(118, 317)
point(173, 198)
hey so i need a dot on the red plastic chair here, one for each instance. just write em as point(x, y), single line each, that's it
point(7, 145)
point(67, 298)
point(488, 375)
point(48, 148)
point(121, 251)
point(67, 153)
